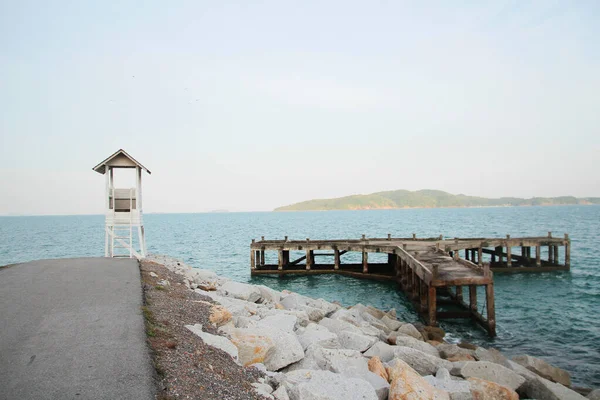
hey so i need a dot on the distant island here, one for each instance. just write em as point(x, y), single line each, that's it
point(427, 199)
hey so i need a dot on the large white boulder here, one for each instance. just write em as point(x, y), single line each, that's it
point(317, 334)
point(488, 371)
point(392, 324)
point(356, 341)
point(220, 342)
point(543, 369)
point(382, 350)
point(334, 360)
point(268, 295)
point(285, 349)
point(491, 355)
point(235, 306)
point(241, 291)
point(337, 326)
point(457, 389)
point(423, 363)
point(409, 341)
point(325, 385)
point(285, 322)
point(536, 387)
point(410, 330)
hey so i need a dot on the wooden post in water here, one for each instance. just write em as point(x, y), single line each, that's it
point(423, 297)
point(365, 262)
point(480, 255)
point(286, 257)
point(508, 252)
point(538, 256)
point(336, 259)
point(555, 254)
point(308, 259)
point(455, 255)
point(491, 308)
point(473, 298)
point(499, 254)
point(252, 258)
point(459, 293)
point(432, 306)
point(550, 254)
point(567, 251)
point(280, 259)
point(262, 256)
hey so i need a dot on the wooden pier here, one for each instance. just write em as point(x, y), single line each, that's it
point(432, 272)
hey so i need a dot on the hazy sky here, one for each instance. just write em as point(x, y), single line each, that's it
point(252, 105)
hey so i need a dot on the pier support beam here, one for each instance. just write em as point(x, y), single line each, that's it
point(365, 262)
point(262, 257)
point(252, 259)
point(538, 256)
point(280, 259)
point(491, 309)
point(336, 259)
point(567, 251)
point(309, 259)
point(459, 294)
point(432, 306)
point(508, 255)
point(473, 298)
point(480, 256)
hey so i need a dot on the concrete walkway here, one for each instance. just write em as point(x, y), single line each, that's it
point(73, 329)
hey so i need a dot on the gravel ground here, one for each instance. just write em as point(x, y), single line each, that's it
point(186, 367)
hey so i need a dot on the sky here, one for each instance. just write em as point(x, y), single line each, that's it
point(251, 105)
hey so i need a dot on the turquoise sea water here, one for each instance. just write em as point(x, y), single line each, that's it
point(554, 316)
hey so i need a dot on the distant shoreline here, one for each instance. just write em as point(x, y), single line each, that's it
point(405, 199)
point(439, 207)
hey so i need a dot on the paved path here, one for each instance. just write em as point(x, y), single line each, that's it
point(73, 329)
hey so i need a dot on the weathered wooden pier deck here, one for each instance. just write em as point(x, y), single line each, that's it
point(431, 272)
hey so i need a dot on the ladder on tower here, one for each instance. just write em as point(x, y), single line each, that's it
point(121, 235)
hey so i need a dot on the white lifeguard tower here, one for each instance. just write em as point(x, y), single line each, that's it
point(123, 208)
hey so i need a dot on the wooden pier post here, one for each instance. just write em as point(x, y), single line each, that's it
point(550, 254)
point(567, 251)
point(473, 298)
point(309, 260)
point(555, 253)
point(252, 259)
point(423, 297)
point(459, 294)
point(336, 259)
point(456, 255)
point(286, 257)
point(480, 255)
point(538, 256)
point(491, 308)
point(432, 306)
point(262, 256)
point(280, 259)
point(365, 262)
point(508, 252)
point(499, 254)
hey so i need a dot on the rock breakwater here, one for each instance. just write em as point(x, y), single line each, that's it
point(312, 349)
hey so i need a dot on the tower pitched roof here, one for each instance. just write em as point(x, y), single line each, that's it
point(120, 159)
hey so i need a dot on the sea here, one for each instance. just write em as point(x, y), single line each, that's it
point(554, 316)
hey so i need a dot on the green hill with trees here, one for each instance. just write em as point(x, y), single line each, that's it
point(427, 199)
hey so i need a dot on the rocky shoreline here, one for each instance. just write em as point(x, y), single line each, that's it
point(298, 348)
